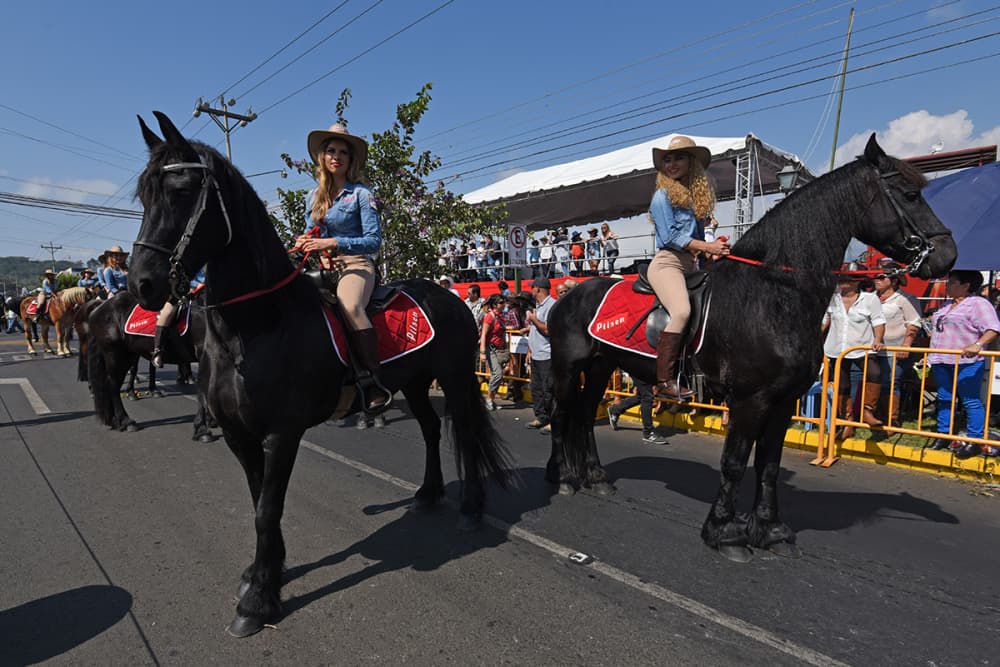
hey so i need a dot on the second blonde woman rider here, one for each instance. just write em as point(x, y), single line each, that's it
point(682, 203)
point(347, 215)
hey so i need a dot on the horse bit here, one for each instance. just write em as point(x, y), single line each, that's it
point(180, 282)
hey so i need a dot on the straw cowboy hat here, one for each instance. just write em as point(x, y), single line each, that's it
point(318, 138)
point(116, 250)
point(90, 271)
point(686, 144)
point(48, 272)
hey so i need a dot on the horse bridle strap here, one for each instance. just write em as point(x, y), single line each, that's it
point(917, 240)
point(178, 276)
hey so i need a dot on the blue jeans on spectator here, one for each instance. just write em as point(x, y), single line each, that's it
point(903, 367)
point(609, 257)
point(14, 323)
point(970, 382)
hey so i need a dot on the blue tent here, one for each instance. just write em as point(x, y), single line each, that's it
point(968, 202)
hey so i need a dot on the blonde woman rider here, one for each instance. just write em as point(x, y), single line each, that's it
point(682, 204)
point(347, 215)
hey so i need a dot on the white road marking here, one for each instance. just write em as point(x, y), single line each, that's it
point(37, 404)
point(687, 604)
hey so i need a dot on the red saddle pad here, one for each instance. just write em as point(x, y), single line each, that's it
point(402, 327)
point(618, 312)
point(32, 308)
point(142, 322)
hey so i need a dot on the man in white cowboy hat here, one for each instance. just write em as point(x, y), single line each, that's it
point(449, 284)
point(346, 214)
point(48, 289)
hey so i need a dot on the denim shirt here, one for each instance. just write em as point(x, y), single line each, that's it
point(675, 227)
point(47, 286)
point(352, 219)
point(115, 280)
point(86, 282)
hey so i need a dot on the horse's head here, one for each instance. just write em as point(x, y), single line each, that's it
point(898, 222)
point(184, 220)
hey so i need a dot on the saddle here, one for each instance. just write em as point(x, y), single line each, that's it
point(699, 294)
point(326, 282)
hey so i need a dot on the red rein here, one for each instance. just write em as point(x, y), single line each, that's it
point(284, 281)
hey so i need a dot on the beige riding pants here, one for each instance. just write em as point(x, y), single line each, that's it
point(356, 280)
point(165, 315)
point(666, 276)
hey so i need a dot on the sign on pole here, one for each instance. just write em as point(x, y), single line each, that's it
point(517, 245)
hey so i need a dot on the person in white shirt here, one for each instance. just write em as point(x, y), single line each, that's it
point(902, 324)
point(855, 318)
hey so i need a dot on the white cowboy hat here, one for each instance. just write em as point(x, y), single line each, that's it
point(448, 279)
point(318, 138)
point(686, 144)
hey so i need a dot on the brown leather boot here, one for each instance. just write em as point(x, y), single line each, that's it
point(375, 398)
point(894, 410)
point(845, 410)
point(872, 390)
point(668, 347)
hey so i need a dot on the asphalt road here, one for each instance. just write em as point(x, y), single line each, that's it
point(126, 549)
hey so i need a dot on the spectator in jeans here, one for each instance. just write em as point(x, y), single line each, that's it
point(969, 323)
point(493, 349)
point(643, 397)
point(540, 354)
point(610, 247)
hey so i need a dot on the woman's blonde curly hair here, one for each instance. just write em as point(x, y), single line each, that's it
point(323, 199)
point(700, 196)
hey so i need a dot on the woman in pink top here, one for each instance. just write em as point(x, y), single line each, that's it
point(969, 323)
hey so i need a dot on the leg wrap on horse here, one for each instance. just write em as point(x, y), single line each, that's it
point(375, 398)
point(668, 348)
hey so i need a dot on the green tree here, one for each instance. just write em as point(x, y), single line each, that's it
point(416, 219)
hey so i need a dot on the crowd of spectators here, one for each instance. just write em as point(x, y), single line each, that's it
point(552, 254)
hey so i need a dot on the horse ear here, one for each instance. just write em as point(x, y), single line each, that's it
point(173, 136)
point(151, 139)
point(873, 152)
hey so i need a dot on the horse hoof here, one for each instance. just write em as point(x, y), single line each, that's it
point(33, 353)
point(206, 438)
point(132, 397)
point(423, 505)
point(736, 553)
point(604, 488)
point(242, 590)
point(566, 489)
point(785, 550)
point(467, 524)
point(133, 428)
point(156, 393)
point(244, 626)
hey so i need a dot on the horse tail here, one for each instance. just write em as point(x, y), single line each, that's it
point(476, 440)
point(97, 371)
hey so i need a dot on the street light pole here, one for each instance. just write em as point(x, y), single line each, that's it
point(52, 251)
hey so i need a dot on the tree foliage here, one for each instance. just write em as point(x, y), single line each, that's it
point(416, 219)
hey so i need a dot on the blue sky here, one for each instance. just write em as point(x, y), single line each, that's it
point(510, 79)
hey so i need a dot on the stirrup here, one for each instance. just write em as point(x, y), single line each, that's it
point(157, 358)
point(672, 390)
point(369, 384)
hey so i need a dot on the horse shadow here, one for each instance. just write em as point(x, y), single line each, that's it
point(803, 509)
point(404, 543)
point(48, 627)
point(53, 418)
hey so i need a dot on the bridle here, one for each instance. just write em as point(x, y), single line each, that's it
point(916, 241)
point(180, 281)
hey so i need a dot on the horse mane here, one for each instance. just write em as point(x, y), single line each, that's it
point(74, 295)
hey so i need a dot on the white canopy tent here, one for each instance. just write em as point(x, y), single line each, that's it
point(620, 184)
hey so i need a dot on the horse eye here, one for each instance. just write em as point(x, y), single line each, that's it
point(911, 195)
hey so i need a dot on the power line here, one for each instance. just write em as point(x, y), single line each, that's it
point(53, 185)
point(69, 132)
point(279, 51)
point(68, 207)
point(357, 57)
point(726, 86)
point(730, 103)
point(78, 152)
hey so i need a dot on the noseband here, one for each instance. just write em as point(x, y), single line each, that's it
point(916, 240)
point(180, 281)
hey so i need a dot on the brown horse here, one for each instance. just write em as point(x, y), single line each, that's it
point(62, 307)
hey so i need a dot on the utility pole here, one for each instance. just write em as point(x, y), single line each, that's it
point(840, 100)
point(52, 251)
point(226, 115)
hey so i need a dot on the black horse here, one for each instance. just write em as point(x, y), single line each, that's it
point(763, 346)
point(268, 380)
point(111, 354)
point(82, 327)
